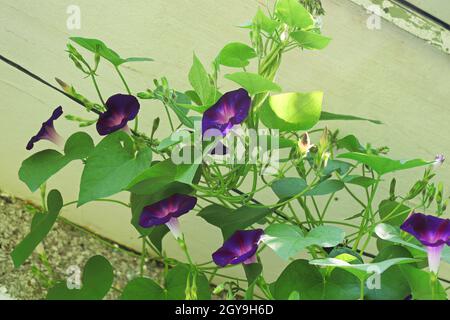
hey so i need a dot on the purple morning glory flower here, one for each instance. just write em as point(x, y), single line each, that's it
point(167, 211)
point(432, 232)
point(120, 108)
point(231, 109)
point(47, 131)
point(240, 247)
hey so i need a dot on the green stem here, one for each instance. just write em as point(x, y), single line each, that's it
point(361, 290)
point(97, 89)
point(136, 120)
point(183, 247)
point(143, 258)
point(123, 80)
point(99, 200)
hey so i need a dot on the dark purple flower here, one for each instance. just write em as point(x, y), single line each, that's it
point(167, 211)
point(120, 108)
point(231, 109)
point(47, 131)
point(432, 232)
point(240, 247)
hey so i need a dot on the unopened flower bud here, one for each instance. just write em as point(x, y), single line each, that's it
point(304, 144)
point(285, 34)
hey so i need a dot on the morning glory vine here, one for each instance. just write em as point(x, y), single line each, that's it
point(228, 155)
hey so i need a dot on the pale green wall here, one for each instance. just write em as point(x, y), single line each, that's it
point(386, 74)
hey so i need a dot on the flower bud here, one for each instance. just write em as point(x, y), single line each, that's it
point(304, 144)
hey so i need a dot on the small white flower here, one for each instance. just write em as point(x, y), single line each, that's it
point(318, 22)
point(285, 34)
point(438, 161)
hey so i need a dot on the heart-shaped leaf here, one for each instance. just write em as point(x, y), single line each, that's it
point(38, 168)
point(383, 165)
point(293, 14)
point(253, 83)
point(111, 167)
point(229, 220)
point(236, 55)
point(142, 289)
point(40, 228)
point(292, 111)
point(97, 279)
point(310, 40)
point(95, 45)
point(288, 240)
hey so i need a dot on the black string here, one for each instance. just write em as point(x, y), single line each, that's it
point(48, 84)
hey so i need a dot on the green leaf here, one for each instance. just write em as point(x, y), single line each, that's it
point(301, 277)
point(162, 175)
point(421, 284)
point(392, 234)
point(361, 270)
point(310, 40)
point(157, 234)
point(393, 285)
point(168, 142)
point(38, 168)
point(305, 281)
point(383, 165)
point(325, 236)
point(78, 146)
point(142, 289)
point(95, 45)
point(362, 181)
point(288, 240)
point(136, 59)
point(293, 14)
point(39, 230)
point(199, 80)
point(98, 276)
point(264, 22)
point(341, 285)
point(397, 212)
point(229, 220)
point(252, 272)
point(253, 83)
point(111, 167)
point(350, 143)
point(336, 165)
point(151, 180)
point(326, 116)
point(236, 55)
point(325, 187)
point(288, 187)
point(292, 111)
point(177, 278)
point(338, 250)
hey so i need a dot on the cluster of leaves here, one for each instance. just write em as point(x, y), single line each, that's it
point(306, 185)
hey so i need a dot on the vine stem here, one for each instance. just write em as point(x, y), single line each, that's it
point(97, 88)
point(143, 258)
point(181, 241)
point(136, 120)
point(99, 200)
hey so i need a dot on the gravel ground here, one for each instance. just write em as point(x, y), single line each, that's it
point(66, 245)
